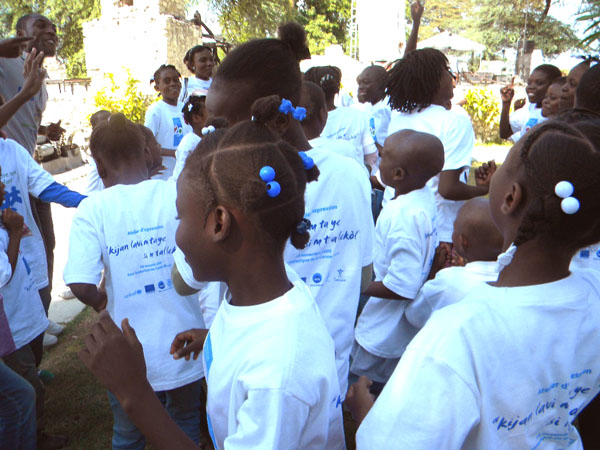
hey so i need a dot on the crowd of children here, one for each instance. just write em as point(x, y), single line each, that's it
point(226, 244)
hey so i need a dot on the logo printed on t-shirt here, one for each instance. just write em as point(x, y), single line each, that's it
point(177, 131)
point(149, 288)
point(317, 278)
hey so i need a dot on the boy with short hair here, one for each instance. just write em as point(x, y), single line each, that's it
point(406, 240)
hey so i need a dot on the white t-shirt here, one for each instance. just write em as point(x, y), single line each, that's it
point(523, 119)
point(22, 303)
point(193, 83)
point(167, 124)
point(456, 133)
point(449, 286)
point(271, 376)
point(184, 149)
point(351, 125)
point(587, 258)
point(405, 243)
point(22, 176)
point(506, 368)
point(119, 231)
point(380, 115)
point(341, 244)
point(93, 181)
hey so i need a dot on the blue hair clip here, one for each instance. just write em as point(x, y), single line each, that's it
point(299, 113)
point(307, 161)
point(286, 106)
point(267, 174)
point(303, 226)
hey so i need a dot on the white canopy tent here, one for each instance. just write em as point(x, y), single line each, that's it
point(450, 41)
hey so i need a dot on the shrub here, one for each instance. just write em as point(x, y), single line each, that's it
point(482, 106)
point(125, 98)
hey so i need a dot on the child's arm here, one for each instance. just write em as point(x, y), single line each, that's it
point(451, 188)
point(359, 399)
point(13, 222)
point(90, 294)
point(416, 12)
point(116, 359)
point(187, 343)
point(168, 152)
point(506, 93)
point(57, 193)
point(378, 289)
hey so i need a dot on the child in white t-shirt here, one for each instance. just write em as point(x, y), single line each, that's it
point(419, 87)
point(268, 357)
point(372, 98)
point(510, 366)
point(165, 117)
point(475, 239)
point(128, 230)
point(200, 61)
point(194, 115)
point(406, 240)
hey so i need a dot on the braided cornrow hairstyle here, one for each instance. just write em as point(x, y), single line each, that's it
point(230, 176)
point(160, 70)
point(414, 80)
point(329, 78)
point(554, 152)
point(193, 105)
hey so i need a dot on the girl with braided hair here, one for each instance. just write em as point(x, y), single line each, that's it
point(514, 363)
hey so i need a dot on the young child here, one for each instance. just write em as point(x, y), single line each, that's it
point(93, 180)
point(268, 357)
point(567, 93)
point(405, 244)
point(346, 123)
point(515, 125)
point(587, 94)
point(551, 102)
point(194, 115)
point(200, 61)
point(128, 230)
point(510, 366)
point(419, 86)
point(165, 117)
point(477, 240)
point(339, 255)
point(371, 93)
point(313, 100)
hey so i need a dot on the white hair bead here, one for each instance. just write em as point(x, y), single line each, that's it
point(564, 189)
point(570, 205)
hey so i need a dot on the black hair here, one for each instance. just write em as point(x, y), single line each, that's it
point(554, 152)
point(560, 80)
point(117, 141)
point(193, 105)
point(99, 116)
point(146, 132)
point(210, 141)
point(552, 72)
point(189, 55)
point(575, 115)
point(312, 99)
point(269, 66)
point(24, 19)
point(587, 95)
point(230, 175)
point(160, 70)
point(329, 78)
point(414, 80)
point(591, 130)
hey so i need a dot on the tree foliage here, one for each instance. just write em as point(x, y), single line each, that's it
point(444, 15)
point(68, 16)
point(591, 17)
point(326, 22)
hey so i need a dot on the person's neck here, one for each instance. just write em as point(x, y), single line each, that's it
point(202, 78)
point(294, 136)
point(535, 262)
point(481, 254)
point(311, 130)
point(259, 278)
point(330, 104)
point(126, 175)
point(170, 101)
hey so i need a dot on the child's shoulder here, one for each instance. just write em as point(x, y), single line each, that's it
point(10, 147)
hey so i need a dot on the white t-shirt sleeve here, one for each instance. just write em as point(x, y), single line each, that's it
point(425, 405)
point(269, 418)
point(152, 119)
point(37, 178)
point(84, 263)
point(5, 267)
point(459, 142)
point(185, 271)
point(518, 119)
point(404, 274)
point(368, 142)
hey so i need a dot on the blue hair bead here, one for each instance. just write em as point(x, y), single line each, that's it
point(307, 161)
point(286, 107)
point(299, 113)
point(267, 174)
point(273, 189)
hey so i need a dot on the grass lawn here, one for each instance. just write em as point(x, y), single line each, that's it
point(77, 405)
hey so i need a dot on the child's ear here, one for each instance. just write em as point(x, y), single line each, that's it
point(156, 87)
point(512, 200)
point(399, 173)
point(222, 224)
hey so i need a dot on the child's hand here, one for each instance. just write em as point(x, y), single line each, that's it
point(188, 342)
point(416, 11)
point(54, 131)
point(457, 260)
point(115, 357)
point(12, 220)
point(519, 104)
point(508, 92)
point(359, 399)
point(12, 47)
point(34, 73)
point(484, 173)
point(157, 170)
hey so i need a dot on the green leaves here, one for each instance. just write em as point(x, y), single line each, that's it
point(482, 106)
point(123, 97)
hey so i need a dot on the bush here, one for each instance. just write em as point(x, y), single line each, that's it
point(482, 106)
point(125, 98)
